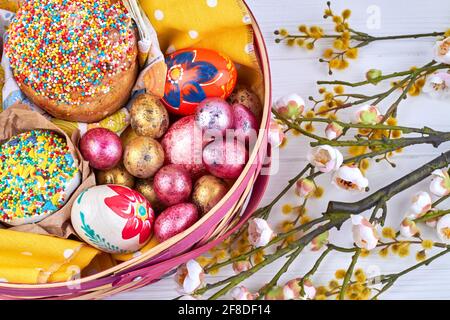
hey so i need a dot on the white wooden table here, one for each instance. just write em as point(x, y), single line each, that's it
point(295, 70)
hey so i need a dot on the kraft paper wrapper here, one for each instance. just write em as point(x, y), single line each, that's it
point(21, 118)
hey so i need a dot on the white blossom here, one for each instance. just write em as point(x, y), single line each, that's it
point(443, 228)
point(190, 276)
point(364, 233)
point(290, 106)
point(437, 85)
point(325, 158)
point(350, 178)
point(259, 232)
point(442, 51)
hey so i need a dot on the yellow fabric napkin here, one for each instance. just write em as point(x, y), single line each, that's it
point(128, 256)
point(30, 258)
point(223, 25)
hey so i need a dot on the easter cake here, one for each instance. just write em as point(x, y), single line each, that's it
point(75, 59)
point(38, 174)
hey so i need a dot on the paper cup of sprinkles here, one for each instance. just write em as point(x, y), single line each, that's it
point(225, 218)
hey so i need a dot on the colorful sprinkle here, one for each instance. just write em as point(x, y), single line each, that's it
point(68, 50)
point(35, 167)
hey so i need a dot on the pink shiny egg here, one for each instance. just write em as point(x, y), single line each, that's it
point(225, 158)
point(183, 144)
point(194, 75)
point(214, 116)
point(102, 148)
point(172, 184)
point(175, 220)
point(245, 123)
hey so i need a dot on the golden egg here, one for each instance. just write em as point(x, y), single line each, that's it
point(149, 117)
point(117, 175)
point(143, 157)
point(128, 135)
point(145, 187)
point(208, 191)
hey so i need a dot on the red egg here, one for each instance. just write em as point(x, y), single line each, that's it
point(194, 75)
point(102, 148)
point(214, 116)
point(172, 184)
point(225, 158)
point(183, 145)
point(245, 123)
point(175, 220)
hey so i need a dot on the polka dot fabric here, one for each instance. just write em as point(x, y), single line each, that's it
point(222, 25)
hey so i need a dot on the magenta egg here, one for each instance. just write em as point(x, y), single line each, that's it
point(174, 220)
point(102, 148)
point(225, 158)
point(183, 144)
point(172, 184)
point(245, 123)
point(214, 116)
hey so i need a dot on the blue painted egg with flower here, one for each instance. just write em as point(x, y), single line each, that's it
point(194, 75)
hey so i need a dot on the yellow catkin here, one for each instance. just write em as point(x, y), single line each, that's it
point(309, 45)
point(305, 219)
point(383, 252)
point(388, 233)
point(328, 53)
point(340, 274)
point(396, 134)
point(352, 53)
point(365, 164)
point(346, 13)
point(287, 208)
point(303, 28)
point(403, 250)
point(334, 63)
point(321, 290)
point(364, 253)
point(360, 276)
point(357, 150)
point(309, 127)
point(310, 114)
point(427, 244)
point(333, 284)
point(421, 255)
point(337, 19)
point(318, 193)
point(339, 89)
point(391, 121)
point(283, 32)
point(287, 226)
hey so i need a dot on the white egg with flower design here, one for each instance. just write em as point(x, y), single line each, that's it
point(113, 218)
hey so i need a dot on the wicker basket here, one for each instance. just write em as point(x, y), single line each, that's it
point(224, 219)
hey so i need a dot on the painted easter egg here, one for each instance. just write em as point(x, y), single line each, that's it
point(194, 75)
point(113, 218)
